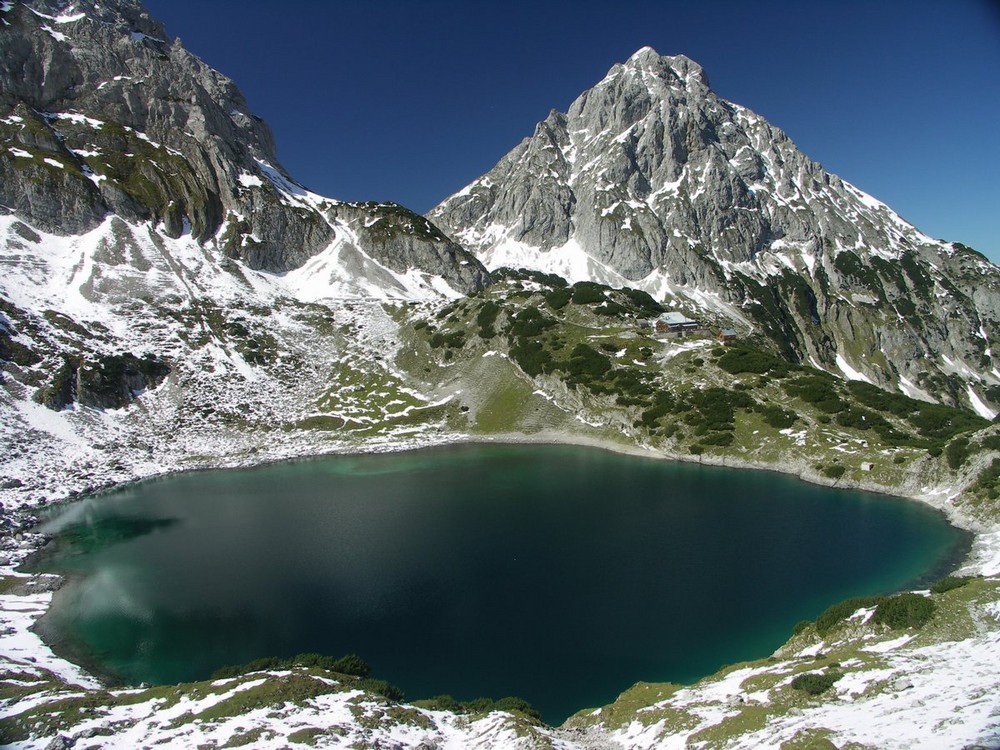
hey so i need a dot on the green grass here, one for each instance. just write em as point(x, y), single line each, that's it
point(505, 407)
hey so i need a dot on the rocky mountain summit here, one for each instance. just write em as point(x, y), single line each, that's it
point(652, 180)
point(103, 114)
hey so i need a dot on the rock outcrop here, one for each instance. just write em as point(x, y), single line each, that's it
point(101, 112)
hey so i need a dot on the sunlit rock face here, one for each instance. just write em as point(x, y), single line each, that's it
point(652, 180)
point(101, 112)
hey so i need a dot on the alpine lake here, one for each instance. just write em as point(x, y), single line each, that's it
point(559, 574)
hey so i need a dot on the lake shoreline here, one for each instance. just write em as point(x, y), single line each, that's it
point(579, 484)
point(981, 557)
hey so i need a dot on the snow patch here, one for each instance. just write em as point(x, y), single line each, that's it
point(57, 35)
point(798, 437)
point(849, 372)
point(138, 36)
point(248, 180)
point(978, 405)
point(886, 646)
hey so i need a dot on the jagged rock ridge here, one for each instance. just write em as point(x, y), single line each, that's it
point(654, 181)
point(102, 113)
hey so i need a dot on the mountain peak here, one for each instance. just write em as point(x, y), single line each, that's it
point(652, 180)
point(647, 59)
point(642, 55)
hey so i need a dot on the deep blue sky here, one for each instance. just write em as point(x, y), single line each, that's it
point(409, 101)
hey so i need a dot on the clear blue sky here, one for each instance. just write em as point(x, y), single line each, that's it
point(410, 100)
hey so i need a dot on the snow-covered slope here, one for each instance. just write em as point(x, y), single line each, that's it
point(652, 180)
point(169, 295)
point(244, 356)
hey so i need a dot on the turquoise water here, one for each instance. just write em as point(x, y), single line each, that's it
point(560, 574)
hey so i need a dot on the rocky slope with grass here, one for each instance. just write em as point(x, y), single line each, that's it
point(533, 358)
point(172, 300)
point(652, 180)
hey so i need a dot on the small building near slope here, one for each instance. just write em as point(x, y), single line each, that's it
point(677, 324)
point(727, 336)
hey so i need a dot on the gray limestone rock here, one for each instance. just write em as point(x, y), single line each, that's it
point(102, 112)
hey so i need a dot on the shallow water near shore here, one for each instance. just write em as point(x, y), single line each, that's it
point(561, 574)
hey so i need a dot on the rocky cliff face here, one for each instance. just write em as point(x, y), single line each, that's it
point(102, 113)
point(652, 180)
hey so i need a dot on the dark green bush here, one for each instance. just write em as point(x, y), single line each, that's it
point(988, 480)
point(586, 364)
point(875, 398)
point(381, 687)
point(842, 610)
point(858, 419)
point(529, 323)
point(815, 684)
point(511, 704)
point(833, 471)
point(716, 407)
point(646, 306)
point(816, 390)
point(717, 438)
point(455, 339)
point(738, 360)
point(957, 453)
point(505, 273)
point(632, 382)
point(519, 705)
point(904, 611)
point(351, 664)
point(778, 417)
point(663, 403)
point(443, 313)
point(442, 703)
point(588, 293)
point(938, 421)
point(486, 318)
point(990, 443)
point(257, 665)
point(557, 299)
point(610, 309)
point(531, 357)
point(949, 583)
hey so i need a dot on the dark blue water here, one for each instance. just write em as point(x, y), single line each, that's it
point(559, 574)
